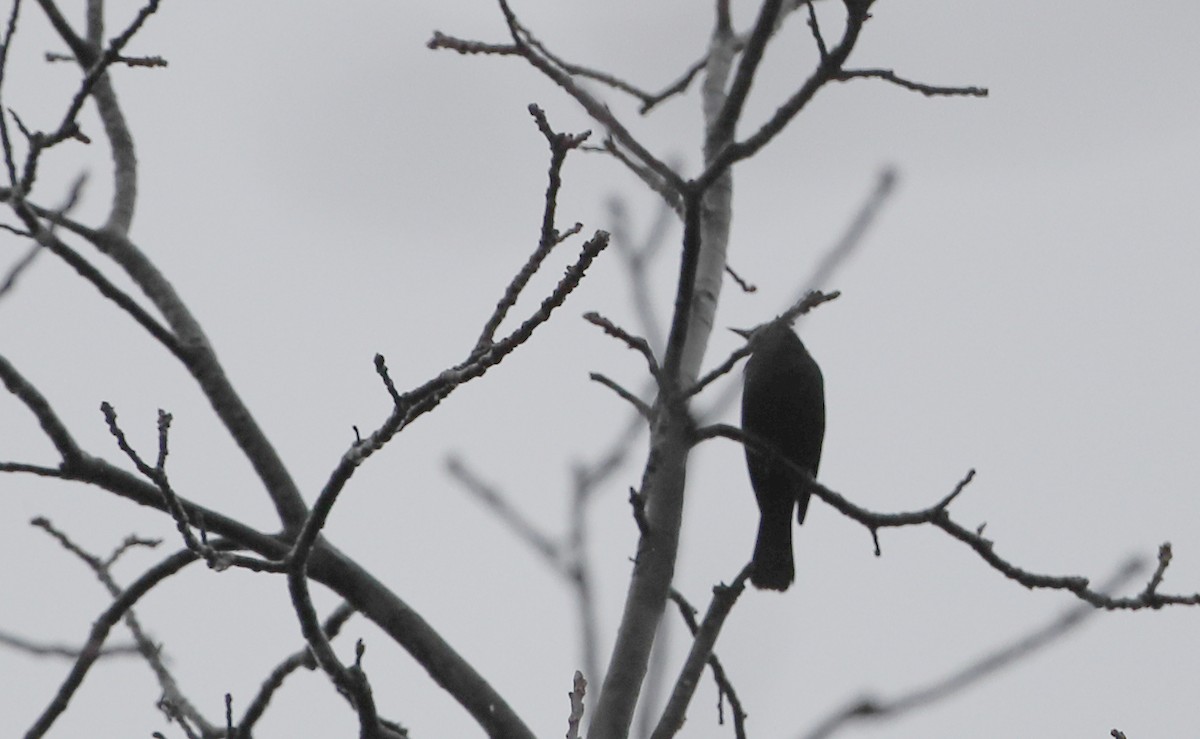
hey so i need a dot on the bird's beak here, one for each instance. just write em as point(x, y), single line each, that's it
point(745, 333)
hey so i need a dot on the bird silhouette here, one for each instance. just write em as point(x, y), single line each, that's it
point(783, 407)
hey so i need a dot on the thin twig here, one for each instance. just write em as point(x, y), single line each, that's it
point(560, 145)
point(636, 343)
point(128, 61)
point(926, 90)
point(644, 410)
point(21, 644)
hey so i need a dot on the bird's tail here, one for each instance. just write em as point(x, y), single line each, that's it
point(772, 567)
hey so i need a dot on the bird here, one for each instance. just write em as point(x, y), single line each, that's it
point(783, 407)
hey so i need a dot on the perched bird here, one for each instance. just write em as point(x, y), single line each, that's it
point(783, 406)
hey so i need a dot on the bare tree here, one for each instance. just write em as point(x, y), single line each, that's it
point(678, 406)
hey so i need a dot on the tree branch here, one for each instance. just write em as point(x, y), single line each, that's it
point(938, 515)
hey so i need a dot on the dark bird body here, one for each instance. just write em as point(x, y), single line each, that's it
point(783, 406)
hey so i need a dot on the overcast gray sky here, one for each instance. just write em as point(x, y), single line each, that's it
point(319, 186)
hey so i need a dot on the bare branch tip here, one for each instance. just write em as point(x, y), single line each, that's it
point(381, 369)
point(636, 343)
point(962, 484)
point(747, 287)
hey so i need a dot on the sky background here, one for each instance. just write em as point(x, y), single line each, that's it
point(320, 187)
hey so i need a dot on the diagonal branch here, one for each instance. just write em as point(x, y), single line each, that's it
point(704, 638)
point(523, 527)
point(970, 674)
point(99, 633)
point(37, 404)
point(417, 402)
